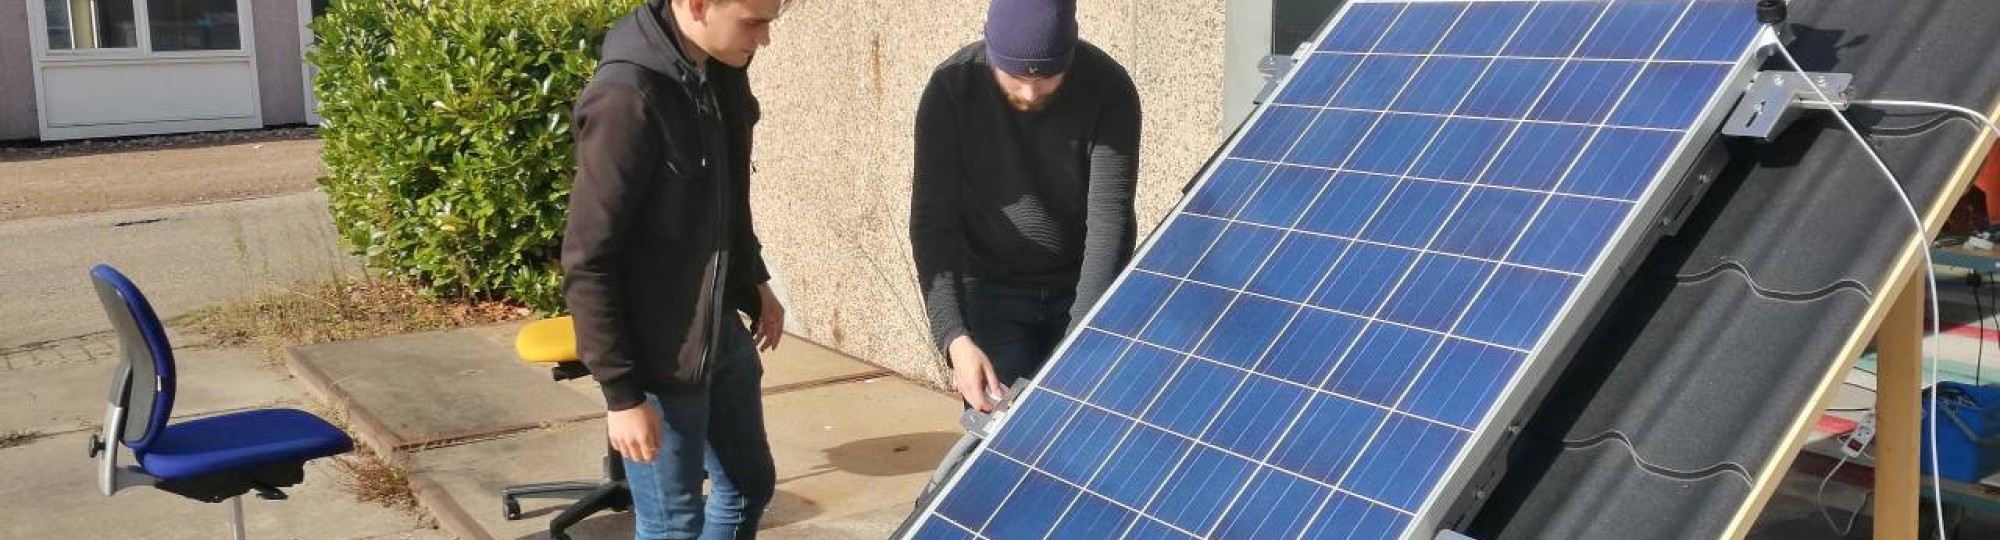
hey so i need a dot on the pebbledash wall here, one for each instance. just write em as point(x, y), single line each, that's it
point(839, 87)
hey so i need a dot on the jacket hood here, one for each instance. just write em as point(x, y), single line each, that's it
point(644, 38)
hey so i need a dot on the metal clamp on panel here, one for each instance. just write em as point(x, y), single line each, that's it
point(1775, 98)
point(982, 424)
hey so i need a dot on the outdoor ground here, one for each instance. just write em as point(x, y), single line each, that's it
point(71, 178)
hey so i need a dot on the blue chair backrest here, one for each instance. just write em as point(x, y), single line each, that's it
point(144, 385)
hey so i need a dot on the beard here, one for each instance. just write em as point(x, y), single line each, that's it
point(1028, 106)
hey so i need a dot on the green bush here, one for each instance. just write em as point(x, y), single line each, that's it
point(446, 129)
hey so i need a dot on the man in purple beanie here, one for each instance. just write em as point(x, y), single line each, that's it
point(1027, 147)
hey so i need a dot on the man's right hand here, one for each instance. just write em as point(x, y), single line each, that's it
point(635, 432)
point(973, 374)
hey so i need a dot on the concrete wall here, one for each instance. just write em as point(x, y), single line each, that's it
point(840, 86)
point(280, 79)
point(17, 76)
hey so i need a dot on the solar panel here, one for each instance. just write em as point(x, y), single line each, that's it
point(1321, 340)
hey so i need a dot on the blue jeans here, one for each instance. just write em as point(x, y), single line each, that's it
point(720, 432)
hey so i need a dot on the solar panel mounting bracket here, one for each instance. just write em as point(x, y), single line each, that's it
point(1708, 163)
point(1274, 67)
point(1775, 99)
point(976, 423)
point(982, 424)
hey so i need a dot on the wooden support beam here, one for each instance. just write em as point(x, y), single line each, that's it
point(1899, 412)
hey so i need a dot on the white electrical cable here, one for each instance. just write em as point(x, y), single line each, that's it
point(1895, 185)
point(1821, 499)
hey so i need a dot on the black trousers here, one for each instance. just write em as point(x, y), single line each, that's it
point(1018, 325)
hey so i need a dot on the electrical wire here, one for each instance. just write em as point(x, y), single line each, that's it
point(1915, 219)
point(1979, 307)
point(1820, 497)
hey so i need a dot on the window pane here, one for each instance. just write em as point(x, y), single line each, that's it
point(1295, 21)
point(90, 24)
point(194, 25)
point(59, 27)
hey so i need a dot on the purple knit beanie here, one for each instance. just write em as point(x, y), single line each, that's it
point(1031, 38)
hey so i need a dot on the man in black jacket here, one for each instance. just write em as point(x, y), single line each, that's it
point(659, 255)
point(1021, 215)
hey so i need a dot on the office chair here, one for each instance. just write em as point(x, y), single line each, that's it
point(210, 459)
point(552, 343)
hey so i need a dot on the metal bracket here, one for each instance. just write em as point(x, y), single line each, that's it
point(1273, 67)
point(1775, 98)
point(982, 424)
point(1708, 164)
point(976, 423)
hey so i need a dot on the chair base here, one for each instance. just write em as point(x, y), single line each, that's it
point(591, 497)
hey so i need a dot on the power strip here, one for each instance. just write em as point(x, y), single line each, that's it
point(1858, 440)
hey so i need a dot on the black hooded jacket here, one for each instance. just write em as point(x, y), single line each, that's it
point(658, 247)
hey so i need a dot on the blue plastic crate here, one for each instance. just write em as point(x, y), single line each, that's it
point(1968, 432)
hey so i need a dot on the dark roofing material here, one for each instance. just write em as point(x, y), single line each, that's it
point(1690, 385)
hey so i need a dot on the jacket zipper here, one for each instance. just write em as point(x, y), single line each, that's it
point(710, 111)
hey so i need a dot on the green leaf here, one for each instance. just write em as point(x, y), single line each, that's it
point(446, 135)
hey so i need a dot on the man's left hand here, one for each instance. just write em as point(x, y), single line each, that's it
point(770, 319)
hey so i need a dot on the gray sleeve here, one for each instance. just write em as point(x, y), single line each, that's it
point(1109, 224)
point(936, 240)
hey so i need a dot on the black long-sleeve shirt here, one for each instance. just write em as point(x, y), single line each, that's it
point(1038, 197)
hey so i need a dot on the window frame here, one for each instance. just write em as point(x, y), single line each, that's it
point(38, 36)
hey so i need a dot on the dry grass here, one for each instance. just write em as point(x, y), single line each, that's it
point(18, 438)
point(375, 480)
point(341, 310)
point(367, 475)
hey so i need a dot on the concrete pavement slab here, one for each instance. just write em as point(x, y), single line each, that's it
point(871, 525)
point(66, 397)
point(851, 457)
point(183, 257)
point(799, 362)
point(460, 484)
point(417, 389)
point(52, 493)
point(852, 447)
point(857, 447)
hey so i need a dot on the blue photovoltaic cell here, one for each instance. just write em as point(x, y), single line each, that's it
point(1441, 84)
point(1319, 335)
point(1508, 87)
point(1284, 196)
point(1347, 203)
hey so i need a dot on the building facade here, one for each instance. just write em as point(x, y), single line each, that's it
point(74, 69)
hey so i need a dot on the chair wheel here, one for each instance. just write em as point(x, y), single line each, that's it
point(510, 508)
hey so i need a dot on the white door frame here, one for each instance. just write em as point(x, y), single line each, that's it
point(132, 64)
point(306, 70)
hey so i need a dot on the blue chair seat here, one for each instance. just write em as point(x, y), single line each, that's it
point(242, 441)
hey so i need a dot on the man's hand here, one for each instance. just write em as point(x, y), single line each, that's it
point(770, 319)
point(635, 432)
point(973, 374)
